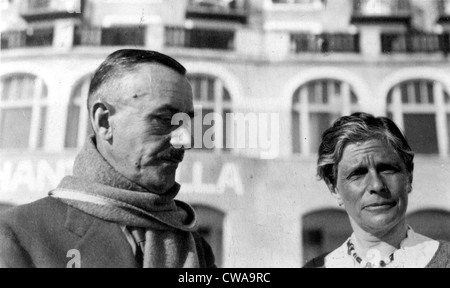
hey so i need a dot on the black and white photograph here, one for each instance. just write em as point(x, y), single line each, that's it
point(252, 134)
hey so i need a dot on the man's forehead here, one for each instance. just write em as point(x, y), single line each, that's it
point(151, 82)
point(158, 75)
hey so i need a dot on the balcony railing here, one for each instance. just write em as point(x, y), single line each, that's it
point(408, 43)
point(199, 38)
point(111, 36)
point(36, 37)
point(226, 10)
point(325, 43)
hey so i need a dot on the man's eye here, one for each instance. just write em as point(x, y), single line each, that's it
point(163, 119)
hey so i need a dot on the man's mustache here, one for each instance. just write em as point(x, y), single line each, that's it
point(172, 155)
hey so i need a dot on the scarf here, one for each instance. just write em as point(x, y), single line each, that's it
point(97, 189)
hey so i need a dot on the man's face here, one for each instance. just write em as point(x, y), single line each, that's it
point(373, 184)
point(141, 147)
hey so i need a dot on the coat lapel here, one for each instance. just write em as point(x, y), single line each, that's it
point(102, 244)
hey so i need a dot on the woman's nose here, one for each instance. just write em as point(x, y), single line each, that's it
point(376, 183)
point(181, 138)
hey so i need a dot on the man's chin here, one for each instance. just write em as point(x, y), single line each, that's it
point(160, 186)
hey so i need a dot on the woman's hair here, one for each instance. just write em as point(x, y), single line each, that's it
point(359, 128)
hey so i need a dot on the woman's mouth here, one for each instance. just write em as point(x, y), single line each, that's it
point(381, 205)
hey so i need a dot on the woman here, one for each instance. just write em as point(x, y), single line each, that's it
point(368, 166)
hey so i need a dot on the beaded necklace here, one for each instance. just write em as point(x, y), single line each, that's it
point(363, 263)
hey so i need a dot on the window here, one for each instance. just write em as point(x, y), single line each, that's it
point(78, 124)
point(210, 227)
point(447, 108)
point(447, 7)
point(23, 112)
point(420, 108)
point(200, 38)
point(211, 96)
point(300, 5)
point(377, 7)
point(315, 106)
point(34, 6)
point(381, 7)
point(306, 3)
point(218, 5)
point(39, 4)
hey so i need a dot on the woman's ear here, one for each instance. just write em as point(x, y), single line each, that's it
point(410, 185)
point(332, 187)
point(101, 121)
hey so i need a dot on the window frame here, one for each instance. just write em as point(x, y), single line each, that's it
point(305, 109)
point(440, 108)
point(79, 101)
point(316, 5)
point(218, 105)
point(38, 102)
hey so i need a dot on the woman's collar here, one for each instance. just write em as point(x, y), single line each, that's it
point(416, 251)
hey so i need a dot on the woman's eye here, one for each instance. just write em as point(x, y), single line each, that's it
point(356, 175)
point(389, 170)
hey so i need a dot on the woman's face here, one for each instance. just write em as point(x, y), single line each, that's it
point(373, 185)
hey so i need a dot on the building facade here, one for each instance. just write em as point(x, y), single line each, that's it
point(306, 62)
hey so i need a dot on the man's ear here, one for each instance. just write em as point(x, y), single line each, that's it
point(101, 121)
point(332, 187)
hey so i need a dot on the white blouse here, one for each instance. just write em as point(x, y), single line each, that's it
point(416, 251)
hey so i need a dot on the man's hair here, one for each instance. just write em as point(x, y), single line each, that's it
point(125, 61)
point(359, 128)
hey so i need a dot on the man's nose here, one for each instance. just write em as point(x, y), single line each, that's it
point(376, 183)
point(181, 138)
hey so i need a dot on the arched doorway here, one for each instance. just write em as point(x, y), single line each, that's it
point(431, 223)
point(324, 231)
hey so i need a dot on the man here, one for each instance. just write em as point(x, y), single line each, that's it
point(118, 208)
